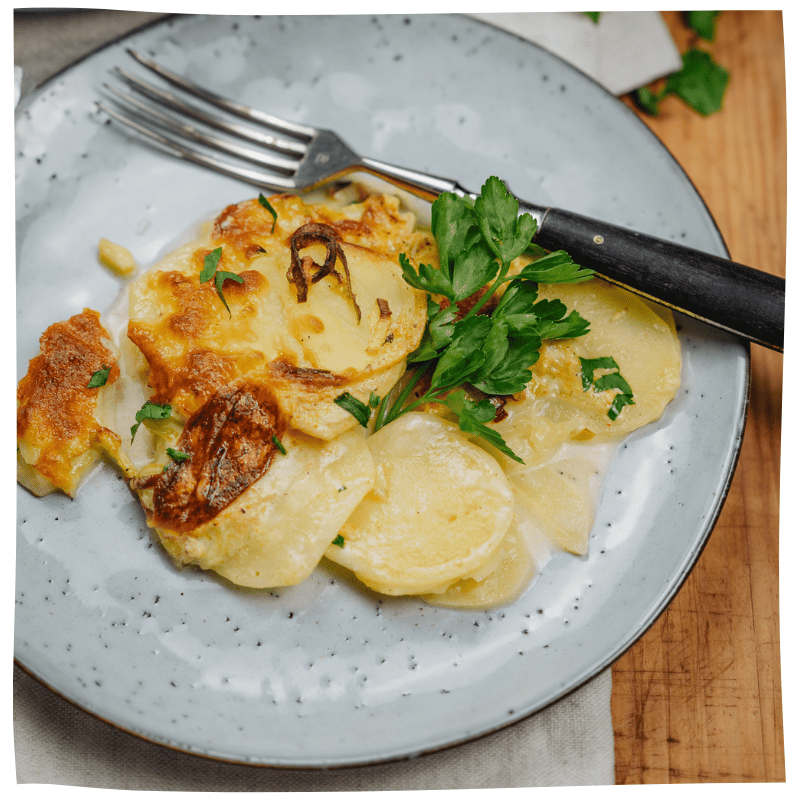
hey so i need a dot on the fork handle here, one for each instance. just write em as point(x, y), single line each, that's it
point(739, 299)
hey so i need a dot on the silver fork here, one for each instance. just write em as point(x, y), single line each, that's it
point(292, 157)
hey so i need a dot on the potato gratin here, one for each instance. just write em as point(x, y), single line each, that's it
point(255, 371)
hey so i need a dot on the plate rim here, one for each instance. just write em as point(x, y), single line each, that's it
point(734, 447)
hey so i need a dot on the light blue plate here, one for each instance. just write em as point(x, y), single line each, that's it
point(324, 674)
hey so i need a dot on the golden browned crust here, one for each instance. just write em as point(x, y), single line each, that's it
point(183, 371)
point(282, 373)
point(246, 226)
point(55, 407)
point(230, 443)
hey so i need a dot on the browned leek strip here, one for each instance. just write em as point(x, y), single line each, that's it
point(300, 272)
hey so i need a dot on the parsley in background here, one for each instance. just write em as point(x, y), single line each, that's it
point(701, 82)
point(703, 23)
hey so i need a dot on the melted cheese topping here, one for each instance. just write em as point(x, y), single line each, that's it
point(194, 344)
point(58, 437)
point(258, 469)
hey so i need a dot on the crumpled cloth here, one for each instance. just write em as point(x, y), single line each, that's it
point(570, 743)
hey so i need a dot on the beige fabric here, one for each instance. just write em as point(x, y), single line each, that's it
point(569, 744)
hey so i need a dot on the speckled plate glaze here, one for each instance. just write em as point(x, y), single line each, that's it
point(323, 673)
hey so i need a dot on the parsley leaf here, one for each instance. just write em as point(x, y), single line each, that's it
point(703, 23)
point(150, 411)
point(339, 540)
point(279, 444)
point(464, 356)
point(512, 374)
point(219, 279)
point(438, 333)
point(608, 380)
point(648, 100)
point(264, 202)
point(210, 264)
point(556, 267)
point(427, 278)
point(361, 411)
point(594, 16)
point(209, 271)
point(99, 378)
point(473, 415)
point(451, 219)
point(178, 455)
point(701, 84)
point(506, 233)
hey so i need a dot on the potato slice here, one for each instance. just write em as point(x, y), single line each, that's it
point(559, 496)
point(193, 344)
point(277, 531)
point(59, 438)
point(513, 571)
point(439, 509)
point(638, 335)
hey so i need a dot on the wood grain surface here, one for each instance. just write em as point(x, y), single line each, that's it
point(698, 698)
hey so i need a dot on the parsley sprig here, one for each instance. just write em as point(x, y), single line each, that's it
point(491, 351)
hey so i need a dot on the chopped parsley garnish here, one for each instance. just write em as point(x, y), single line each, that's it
point(361, 411)
point(99, 378)
point(264, 202)
point(338, 541)
point(178, 455)
point(210, 271)
point(150, 411)
point(210, 264)
point(279, 444)
point(609, 379)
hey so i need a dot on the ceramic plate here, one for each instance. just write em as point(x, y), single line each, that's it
point(323, 673)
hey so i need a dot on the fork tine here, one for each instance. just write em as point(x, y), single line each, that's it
point(241, 110)
point(261, 179)
point(132, 105)
point(172, 102)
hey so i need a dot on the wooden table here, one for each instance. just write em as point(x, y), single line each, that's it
point(698, 698)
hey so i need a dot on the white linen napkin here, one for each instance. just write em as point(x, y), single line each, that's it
point(570, 743)
point(623, 51)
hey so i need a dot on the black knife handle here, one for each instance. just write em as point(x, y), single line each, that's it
point(731, 296)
